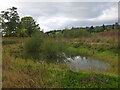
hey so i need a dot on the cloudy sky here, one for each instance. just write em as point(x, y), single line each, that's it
point(60, 15)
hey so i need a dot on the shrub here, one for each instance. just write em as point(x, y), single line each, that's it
point(38, 47)
point(32, 46)
point(51, 49)
point(75, 33)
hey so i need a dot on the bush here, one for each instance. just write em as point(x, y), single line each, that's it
point(32, 46)
point(38, 47)
point(75, 33)
point(51, 49)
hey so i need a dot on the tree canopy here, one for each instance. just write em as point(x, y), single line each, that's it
point(30, 25)
point(9, 20)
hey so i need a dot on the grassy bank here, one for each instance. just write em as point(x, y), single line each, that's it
point(28, 74)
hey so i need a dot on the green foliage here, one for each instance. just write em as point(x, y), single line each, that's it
point(70, 51)
point(30, 25)
point(12, 26)
point(21, 32)
point(75, 33)
point(10, 20)
point(8, 33)
point(38, 47)
point(51, 49)
point(91, 29)
point(32, 45)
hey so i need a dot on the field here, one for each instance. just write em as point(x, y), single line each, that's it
point(21, 72)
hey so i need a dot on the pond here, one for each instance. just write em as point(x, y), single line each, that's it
point(86, 63)
point(81, 63)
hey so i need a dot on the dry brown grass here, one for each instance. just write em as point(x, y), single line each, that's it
point(18, 74)
point(14, 78)
point(109, 35)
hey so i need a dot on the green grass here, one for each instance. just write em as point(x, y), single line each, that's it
point(32, 74)
point(81, 80)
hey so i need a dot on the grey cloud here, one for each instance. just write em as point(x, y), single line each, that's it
point(81, 11)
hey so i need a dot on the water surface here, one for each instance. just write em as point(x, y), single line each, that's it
point(82, 63)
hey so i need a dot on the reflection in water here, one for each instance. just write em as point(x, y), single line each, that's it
point(84, 63)
point(81, 63)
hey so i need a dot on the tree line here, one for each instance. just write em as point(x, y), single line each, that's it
point(77, 32)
